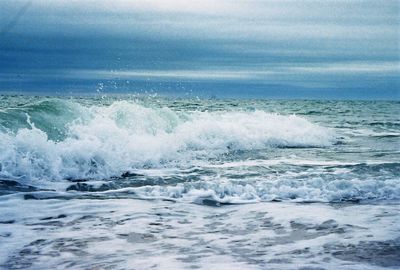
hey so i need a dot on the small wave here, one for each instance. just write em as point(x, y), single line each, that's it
point(374, 134)
point(225, 191)
point(385, 124)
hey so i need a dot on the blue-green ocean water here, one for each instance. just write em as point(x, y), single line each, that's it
point(134, 182)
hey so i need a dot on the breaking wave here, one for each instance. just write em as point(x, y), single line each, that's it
point(55, 139)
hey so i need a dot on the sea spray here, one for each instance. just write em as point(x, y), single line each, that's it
point(126, 136)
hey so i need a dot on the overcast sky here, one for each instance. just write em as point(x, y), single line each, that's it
point(316, 46)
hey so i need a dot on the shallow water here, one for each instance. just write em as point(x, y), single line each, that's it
point(135, 182)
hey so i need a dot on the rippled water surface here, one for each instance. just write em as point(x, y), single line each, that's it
point(146, 182)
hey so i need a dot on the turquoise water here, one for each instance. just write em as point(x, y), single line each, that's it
point(251, 183)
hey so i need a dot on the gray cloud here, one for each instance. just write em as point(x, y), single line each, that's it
point(300, 42)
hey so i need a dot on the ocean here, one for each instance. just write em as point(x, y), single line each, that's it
point(150, 182)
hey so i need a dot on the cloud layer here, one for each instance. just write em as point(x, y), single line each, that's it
point(310, 42)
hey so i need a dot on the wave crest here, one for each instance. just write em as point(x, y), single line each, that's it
point(106, 141)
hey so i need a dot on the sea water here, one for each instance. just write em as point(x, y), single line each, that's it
point(141, 182)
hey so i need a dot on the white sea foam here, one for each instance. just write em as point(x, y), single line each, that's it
point(124, 136)
point(312, 189)
point(126, 233)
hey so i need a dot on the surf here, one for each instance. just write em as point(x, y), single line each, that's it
point(67, 140)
